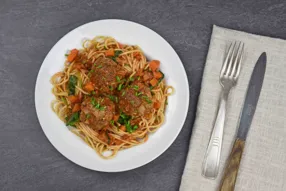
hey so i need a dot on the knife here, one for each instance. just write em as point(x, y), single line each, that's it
point(251, 99)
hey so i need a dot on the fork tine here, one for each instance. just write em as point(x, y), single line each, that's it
point(239, 63)
point(237, 59)
point(225, 64)
point(231, 62)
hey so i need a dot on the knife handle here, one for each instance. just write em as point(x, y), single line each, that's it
point(231, 170)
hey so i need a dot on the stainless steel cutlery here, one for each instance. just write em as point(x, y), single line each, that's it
point(228, 77)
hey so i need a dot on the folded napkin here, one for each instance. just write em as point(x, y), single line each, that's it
point(263, 165)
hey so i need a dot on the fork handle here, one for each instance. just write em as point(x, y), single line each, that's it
point(212, 157)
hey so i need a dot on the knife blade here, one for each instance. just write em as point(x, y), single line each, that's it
point(248, 110)
point(252, 96)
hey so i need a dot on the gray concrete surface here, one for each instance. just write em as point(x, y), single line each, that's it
point(29, 29)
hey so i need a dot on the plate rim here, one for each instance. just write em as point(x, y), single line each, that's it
point(159, 153)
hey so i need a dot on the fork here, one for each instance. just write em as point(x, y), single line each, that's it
point(228, 78)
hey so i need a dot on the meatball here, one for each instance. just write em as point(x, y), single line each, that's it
point(136, 100)
point(97, 112)
point(107, 75)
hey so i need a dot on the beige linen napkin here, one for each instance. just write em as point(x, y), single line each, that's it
point(263, 165)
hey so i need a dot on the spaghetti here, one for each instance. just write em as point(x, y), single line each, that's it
point(110, 95)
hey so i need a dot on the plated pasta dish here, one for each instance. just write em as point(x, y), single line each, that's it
point(110, 95)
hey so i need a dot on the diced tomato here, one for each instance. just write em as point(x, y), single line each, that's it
point(154, 82)
point(76, 107)
point(122, 128)
point(147, 76)
point(157, 75)
point(72, 55)
point(154, 65)
point(73, 99)
point(89, 87)
point(137, 56)
point(116, 117)
point(109, 52)
point(156, 105)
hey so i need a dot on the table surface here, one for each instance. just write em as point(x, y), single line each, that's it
point(29, 29)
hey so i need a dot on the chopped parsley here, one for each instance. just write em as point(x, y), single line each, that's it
point(123, 93)
point(116, 54)
point(71, 84)
point(117, 79)
point(100, 66)
point(125, 120)
point(64, 100)
point(120, 87)
point(135, 127)
point(135, 87)
point(72, 119)
point(138, 93)
point(146, 98)
point(131, 79)
point(93, 101)
point(87, 116)
point(102, 108)
point(90, 72)
point(97, 104)
point(113, 98)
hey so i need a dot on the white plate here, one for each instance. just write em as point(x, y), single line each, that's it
point(154, 47)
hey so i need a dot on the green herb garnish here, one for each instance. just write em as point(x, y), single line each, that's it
point(87, 116)
point(123, 93)
point(112, 122)
point(64, 100)
point(90, 72)
point(132, 102)
point(135, 127)
point(102, 108)
point(130, 79)
point(117, 78)
point(110, 87)
point(135, 87)
point(138, 93)
point(116, 54)
point(147, 99)
point(71, 84)
point(128, 127)
point(112, 97)
point(100, 66)
point(125, 120)
point(93, 101)
point(97, 106)
point(72, 119)
point(120, 87)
